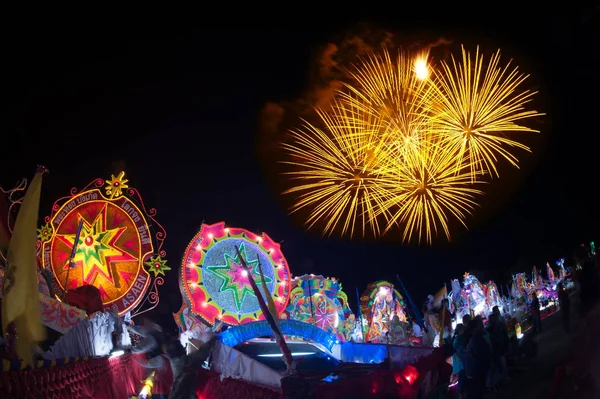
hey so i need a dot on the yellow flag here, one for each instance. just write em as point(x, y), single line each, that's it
point(20, 303)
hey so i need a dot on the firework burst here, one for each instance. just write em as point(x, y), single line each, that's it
point(337, 172)
point(427, 193)
point(478, 105)
point(395, 95)
point(405, 144)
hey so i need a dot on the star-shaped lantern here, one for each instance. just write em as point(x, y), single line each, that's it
point(235, 278)
point(115, 186)
point(97, 248)
point(157, 265)
point(45, 232)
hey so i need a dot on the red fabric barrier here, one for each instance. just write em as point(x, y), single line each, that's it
point(101, 378)
point(121, 377)
point(210, 386)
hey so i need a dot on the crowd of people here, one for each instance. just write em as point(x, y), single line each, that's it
point(481, 351)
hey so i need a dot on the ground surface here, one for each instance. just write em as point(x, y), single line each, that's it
point(534, 377)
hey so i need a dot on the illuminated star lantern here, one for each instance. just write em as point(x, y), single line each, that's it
point(101, 236)
point(96, 249)
point(157, 265)
point(45, 232)
point(235, 278)
point(115, 186)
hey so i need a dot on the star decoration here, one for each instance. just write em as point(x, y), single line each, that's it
point(466, 275)
point(157, 265)
point(235, 278)
point(115, 186)
point(45, 232)
point(97, 248)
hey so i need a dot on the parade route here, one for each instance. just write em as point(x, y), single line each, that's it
point(533, 378)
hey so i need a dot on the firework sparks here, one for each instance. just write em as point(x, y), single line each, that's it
point(392, 92)
point(478, 105)
point(337, 170)
point(405, 143)
point(427, 193)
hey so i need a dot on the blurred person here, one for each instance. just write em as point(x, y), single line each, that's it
point(536, 316)
point(446, 313)
point(150, 344)
point(499, 340)
point(477, 359)
point(565, 306)
point(589, 281)
point(458, 366)
point(466, 319)
point(184, 385)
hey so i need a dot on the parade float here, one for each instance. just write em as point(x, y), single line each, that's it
point(470, 298)
point(217, 270)
point(321, 301)
point(545, 289)
point(383, 308)
point(86, 242)
point(99, 256)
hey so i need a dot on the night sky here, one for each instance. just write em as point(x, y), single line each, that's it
point(178, 108)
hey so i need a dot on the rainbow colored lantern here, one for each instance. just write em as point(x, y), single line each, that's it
point(216, 286)
point(381, 303)
point(320, 301)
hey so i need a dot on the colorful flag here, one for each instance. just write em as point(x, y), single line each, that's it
point(21, 303)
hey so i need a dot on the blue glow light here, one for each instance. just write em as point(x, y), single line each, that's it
point(245, 332)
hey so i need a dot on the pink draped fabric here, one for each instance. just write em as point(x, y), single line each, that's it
point(101, 378)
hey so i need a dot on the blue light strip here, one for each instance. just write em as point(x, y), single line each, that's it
point(293, 328)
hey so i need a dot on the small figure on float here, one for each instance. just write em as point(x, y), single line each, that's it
point(397, 334)
point(550, 273)
point(432, 323)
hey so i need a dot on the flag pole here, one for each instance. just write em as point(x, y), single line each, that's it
point(360, 316)
point(412, 304)
point(312, 312)
point(285, 350)
point(71, 260)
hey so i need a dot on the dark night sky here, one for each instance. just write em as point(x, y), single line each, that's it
point(178, 108)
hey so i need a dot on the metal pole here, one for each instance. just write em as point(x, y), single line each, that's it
point(73, 252)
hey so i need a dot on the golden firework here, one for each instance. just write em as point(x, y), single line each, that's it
point(395, 95)
point(427, 192)
point(336, 171)
point(478, 105)
point(405, 143)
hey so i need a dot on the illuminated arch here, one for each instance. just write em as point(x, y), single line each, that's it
point(245, 332)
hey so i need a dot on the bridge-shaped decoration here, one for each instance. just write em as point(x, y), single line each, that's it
point(245, 332)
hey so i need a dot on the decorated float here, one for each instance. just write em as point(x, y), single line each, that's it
point(320, 301)
point(472, 298)
point(99, 256)
point(383, 308)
